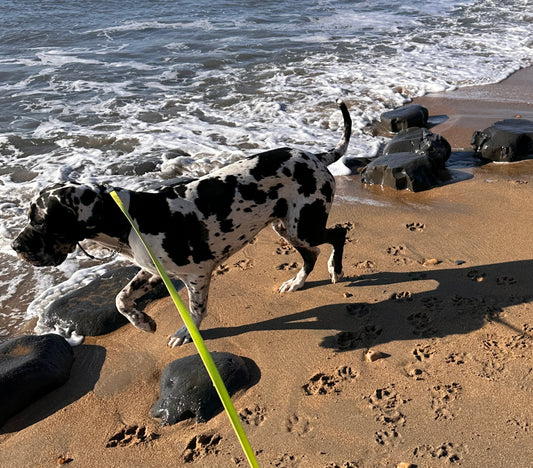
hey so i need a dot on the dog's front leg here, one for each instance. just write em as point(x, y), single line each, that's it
point(198, 289)
point(136, 288)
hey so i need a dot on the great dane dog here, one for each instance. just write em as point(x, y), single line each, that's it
point(192, 227)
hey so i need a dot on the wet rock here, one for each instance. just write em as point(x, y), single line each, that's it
point(413, 115)
point(412, 160)
point(401, 171)
point(91, 310)
point(30, 367)
point(505, 141)
point(421, 140)
point(187, 391)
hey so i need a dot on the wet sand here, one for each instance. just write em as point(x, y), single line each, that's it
point(439, 282)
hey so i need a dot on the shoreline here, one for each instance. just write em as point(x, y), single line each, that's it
point(437, 281)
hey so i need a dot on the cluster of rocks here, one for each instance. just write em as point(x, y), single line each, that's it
point(415, 158)
point(34, 365)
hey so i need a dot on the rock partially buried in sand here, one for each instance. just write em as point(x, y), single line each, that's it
point(30, 367)
point(91, 310)
point(413, 115)
point(505, 141)
point(187, 390)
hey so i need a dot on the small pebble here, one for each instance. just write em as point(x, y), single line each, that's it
point(372, 355)
point(64, 459)
point(460, 262)
point(416, 374)
point(405, 465)
point(431, 262)
point(347, 294)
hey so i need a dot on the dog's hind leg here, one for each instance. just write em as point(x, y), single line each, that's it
point(309, 255)
point(336, 237)
point(198, 289)
point(136, 288)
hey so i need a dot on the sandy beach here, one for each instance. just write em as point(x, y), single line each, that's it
point(439, 282)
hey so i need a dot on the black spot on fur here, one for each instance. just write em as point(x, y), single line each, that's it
point(327, 191)
point(88, 197)
point(157, 206)
point(226, 225)
point(216, 196)
point(303, 174)
point(186, 237)
point(269, 163)
point(313, 218)
point(273, 191)
point(251, 192)
point(287, 172)
point(280, 209)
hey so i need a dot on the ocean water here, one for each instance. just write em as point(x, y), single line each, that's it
point(134, 92)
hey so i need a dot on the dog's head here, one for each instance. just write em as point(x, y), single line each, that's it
point(56, 224)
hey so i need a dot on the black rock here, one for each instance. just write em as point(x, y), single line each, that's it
point(413, 115)
point(412, 160)
point(30, 367)
point(187, 390)
point(421, 140)
point(505, 141)
point(402, 171)
point(91, 310)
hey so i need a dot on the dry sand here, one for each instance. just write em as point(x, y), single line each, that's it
point(440, 282)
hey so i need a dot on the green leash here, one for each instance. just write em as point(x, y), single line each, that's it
point(199, 343)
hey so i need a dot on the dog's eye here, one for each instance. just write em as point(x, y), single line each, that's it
point(35, 215)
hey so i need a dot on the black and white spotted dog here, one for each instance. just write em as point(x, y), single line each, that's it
point(193, 227)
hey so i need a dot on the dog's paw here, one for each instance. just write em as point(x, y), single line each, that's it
point(336, 277)
point(292, 285)
point(144, 322)
point(179, 338)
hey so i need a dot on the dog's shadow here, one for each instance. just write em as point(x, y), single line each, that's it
point(85, 372)
point(463, 300)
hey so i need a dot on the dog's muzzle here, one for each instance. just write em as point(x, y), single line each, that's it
point(42, 249)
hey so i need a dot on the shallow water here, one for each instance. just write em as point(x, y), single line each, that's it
point(131, 93)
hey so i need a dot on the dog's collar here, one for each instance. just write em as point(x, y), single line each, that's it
point(113, 254)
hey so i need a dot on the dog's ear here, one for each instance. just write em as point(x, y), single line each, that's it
point(61, 219)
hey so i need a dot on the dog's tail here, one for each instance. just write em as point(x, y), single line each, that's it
point(331, 156)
